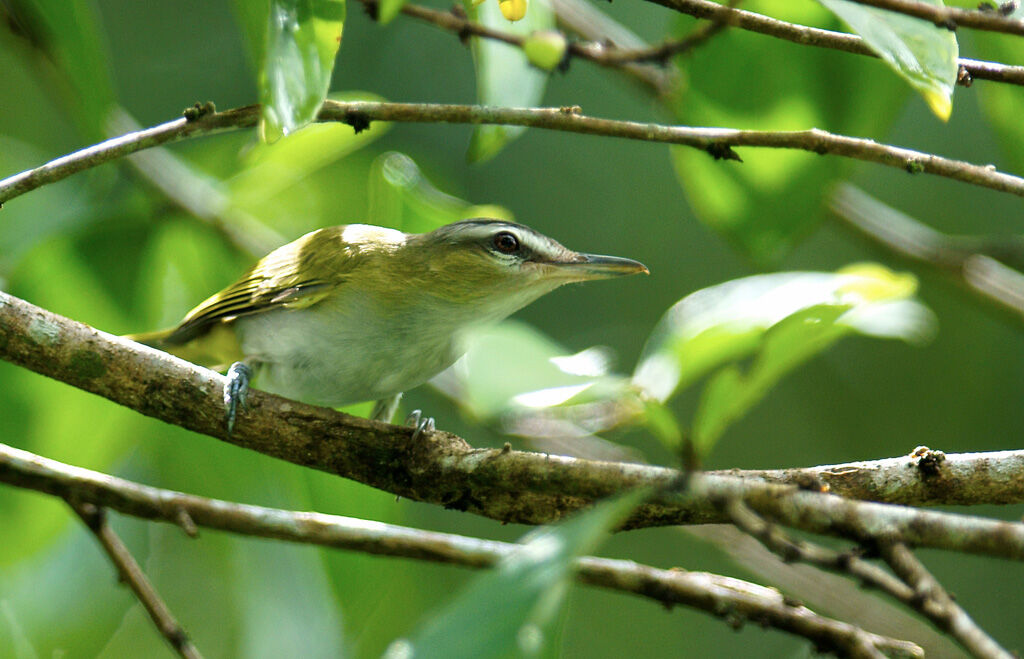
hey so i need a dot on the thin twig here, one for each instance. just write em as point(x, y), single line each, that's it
point(460, 25)
point(789, 550)
point(440, 468)
point(951, 17)
point(934, 602)
point(129, 572)
point(719, 142)
point(732, 599)
point(810, 36)
point(978, 273)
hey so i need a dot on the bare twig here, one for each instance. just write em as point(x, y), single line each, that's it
point(809, 36)
point(934, 602)
point(718, 142)
point(129, 572)
point(979, 273)
point(951, 17)
point(440, 468)
point(721, 596)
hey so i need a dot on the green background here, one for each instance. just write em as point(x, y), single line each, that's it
point(107, 249)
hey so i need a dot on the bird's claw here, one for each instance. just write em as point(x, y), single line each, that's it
point(420, 423)
point(236, 390)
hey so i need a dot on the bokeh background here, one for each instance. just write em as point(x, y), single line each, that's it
point(108, 248)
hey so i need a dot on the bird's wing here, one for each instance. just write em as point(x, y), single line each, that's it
point(295, 276)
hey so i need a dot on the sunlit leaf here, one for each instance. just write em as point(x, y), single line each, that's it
point(922, 53)
point(508, 611)
point(728, 322)
point(302, 39)
point(504, 76)
point(544, 375)
point(401, 197)
point(387, 10)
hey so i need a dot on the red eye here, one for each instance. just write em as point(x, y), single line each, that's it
point(505, 242)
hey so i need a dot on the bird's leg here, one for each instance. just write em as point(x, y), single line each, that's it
point(385, 408)
point(235, 390)
point(420, 423)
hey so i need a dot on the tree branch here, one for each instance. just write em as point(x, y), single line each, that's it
point(951, 17)
point(935, 603)
point(924, 478)
point(718, 142)
point(440, 468)
point(810, 36)
point(129, 571)
point(724, 597)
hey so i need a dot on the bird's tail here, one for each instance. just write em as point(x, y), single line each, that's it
point(216, 348)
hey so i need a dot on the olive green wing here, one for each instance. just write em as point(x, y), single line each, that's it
point(295, 276)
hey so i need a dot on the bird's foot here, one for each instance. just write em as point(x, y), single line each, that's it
point(236, 390)
point(420, 423)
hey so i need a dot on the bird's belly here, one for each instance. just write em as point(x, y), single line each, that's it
point(331, 359)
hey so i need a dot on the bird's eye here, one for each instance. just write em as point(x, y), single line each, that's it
point(505, 242)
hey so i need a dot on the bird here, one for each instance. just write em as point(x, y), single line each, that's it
point(358, 312)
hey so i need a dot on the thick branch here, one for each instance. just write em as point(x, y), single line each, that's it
point(510, 486)
point(721, 596)
point(130, 572)
point(718, 142)
point(810, 36)
point(924, 478)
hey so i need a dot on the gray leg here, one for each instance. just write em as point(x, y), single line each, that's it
point(385, 408)
point(235, 390)
point(420, 423)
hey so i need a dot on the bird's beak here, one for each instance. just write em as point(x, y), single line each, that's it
point(585, 267)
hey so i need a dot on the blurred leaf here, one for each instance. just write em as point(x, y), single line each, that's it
point(767, 203)
point(270, 168)
point(544, 374)
point(507, 611)
point(504, 77)
point(388, 9)
point(302, 41)
point(729, 394)
point(402, 198)
point(923, 54)
point(70, 34)
point(253, 17)
point(728, 322)
point(1003, 104)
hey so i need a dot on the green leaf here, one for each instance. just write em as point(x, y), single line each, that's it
point(388, 9)
point(504, 76)
point(923, 54)
point(508, 611)
point(775, 197)
point(728, 322)
point(401, 197)
point(546, 374)
point(302, 39)
point(794, 340)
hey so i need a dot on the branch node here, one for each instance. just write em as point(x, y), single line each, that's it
point(199, 110)
point(185, 521)
point(720, 151)
point(358, 120)
point(927, 461)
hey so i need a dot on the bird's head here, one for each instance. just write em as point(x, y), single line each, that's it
point(508, 264)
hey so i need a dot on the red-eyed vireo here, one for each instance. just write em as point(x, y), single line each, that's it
point(358, 312)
